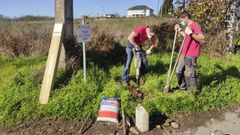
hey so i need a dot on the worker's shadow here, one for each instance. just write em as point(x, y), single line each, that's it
point(219, 77)
point(159, 68)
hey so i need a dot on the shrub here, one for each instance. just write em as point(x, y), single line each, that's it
point(104, 45)
point(216, 45)
point(19, 89)
point(25, 39)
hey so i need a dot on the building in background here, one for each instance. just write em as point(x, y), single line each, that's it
point(112, 15)
point(140, 11)
point(102, 16)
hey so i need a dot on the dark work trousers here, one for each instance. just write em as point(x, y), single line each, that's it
point(190, 73)
point(180, 69)
point(128, 61)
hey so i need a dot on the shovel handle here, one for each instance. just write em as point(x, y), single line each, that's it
point(170, 65)
point(179, 53)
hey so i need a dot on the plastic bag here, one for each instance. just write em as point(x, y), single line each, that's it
point(109, 110)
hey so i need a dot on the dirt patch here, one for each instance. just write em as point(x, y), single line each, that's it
point(63, 126)
point(135, 91)
point(41, 126)
point(235, 110)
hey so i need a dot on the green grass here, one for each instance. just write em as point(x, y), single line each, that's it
point(219, 87)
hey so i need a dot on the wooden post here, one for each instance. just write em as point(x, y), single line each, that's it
point(60, 18)
point(52, 63)
point(62, 34)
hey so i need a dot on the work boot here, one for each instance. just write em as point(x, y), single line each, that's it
point(137, 80)
point(143, 79)
point(178, 88)
point(191, 89)
point(181, 82)
point(191, 84)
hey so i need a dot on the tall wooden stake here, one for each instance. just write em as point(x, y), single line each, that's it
point(52, 63)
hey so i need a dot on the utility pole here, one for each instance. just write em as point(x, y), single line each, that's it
point(161, 14)
point(184, 4)
point(64, 14)
point(158, 7)
point(238, 16)
point(231, 22)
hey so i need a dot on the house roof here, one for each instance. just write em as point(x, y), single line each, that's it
point(140, 7)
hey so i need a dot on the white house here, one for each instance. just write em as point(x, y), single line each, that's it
point(139, 11)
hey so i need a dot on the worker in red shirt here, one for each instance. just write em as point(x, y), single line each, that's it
point(190, 52)
point(135, 40)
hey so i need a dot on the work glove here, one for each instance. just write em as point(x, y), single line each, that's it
point(177, 27)
point(188, 31)
point(148, 51)
point(137, 48)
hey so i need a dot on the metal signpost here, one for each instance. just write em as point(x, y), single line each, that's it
point(84, 35)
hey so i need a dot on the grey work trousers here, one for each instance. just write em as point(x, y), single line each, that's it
point(180, 69)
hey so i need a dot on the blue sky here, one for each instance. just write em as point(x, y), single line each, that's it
point(16, 8)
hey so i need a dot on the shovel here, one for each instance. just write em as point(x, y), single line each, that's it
point(166, 88)
point(170, 72)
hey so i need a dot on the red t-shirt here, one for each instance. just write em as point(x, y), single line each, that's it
point(141, 33)
point(191, 47)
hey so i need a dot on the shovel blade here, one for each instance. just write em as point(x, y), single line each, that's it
point(166, 89)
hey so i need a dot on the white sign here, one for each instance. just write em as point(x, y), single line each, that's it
point(238, 11)
point(84, 33)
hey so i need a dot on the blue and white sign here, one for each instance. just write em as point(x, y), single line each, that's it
point(84, 33)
